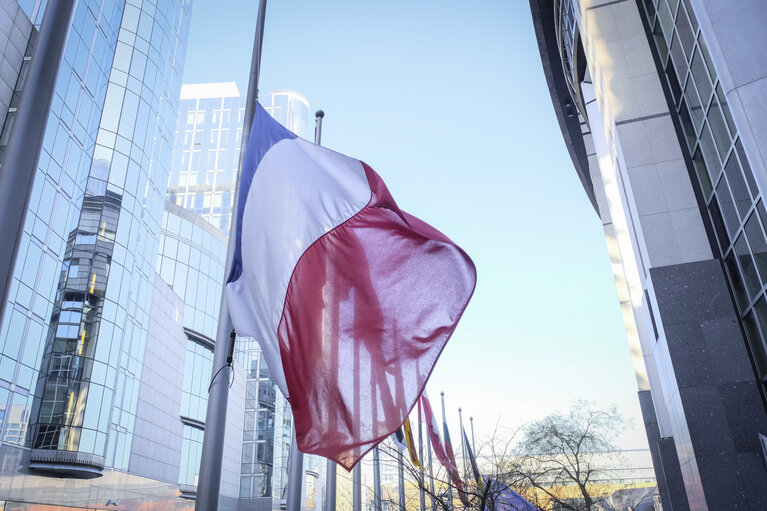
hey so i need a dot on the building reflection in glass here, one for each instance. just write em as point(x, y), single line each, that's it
point(73, 373)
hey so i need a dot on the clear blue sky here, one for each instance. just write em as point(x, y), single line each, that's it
point(447, 101)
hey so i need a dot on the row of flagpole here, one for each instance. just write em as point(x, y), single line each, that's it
point(422, 469)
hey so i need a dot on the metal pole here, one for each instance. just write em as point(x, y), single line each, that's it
point(473, 447)
point(330, 468)
point(422, 480)
point(376, 479)
point(209, 483)
point(401, 477)
point(295, 475)
point(431, 475)
point(463, 447)
point(26, 142)
point(444, 422)
point(318, 116)
point(357, 487)
point(330, 486)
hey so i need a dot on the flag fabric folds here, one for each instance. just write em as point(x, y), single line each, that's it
point(351, 299)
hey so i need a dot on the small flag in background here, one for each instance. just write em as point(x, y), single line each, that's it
point(473, 460)
point(505, 499)
point(433, 429)
point(398, 437)
point(454, 475)
point(411, 444)
point(351, 299)
point(403, 441)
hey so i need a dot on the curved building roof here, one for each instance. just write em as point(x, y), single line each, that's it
point(566, 112)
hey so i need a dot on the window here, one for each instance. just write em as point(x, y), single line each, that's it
point(7, 127)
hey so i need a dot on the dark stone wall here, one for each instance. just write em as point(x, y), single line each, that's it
point(673, 473)
point(670, 485)
point(719, 393)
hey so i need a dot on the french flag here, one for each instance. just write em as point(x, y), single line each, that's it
point(351, 299)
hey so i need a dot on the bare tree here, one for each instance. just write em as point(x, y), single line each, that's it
point(561, 462)
point(573, 450)
point(441, 491)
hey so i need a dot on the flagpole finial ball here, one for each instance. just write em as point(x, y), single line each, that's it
point(459, 409)
point(442, 393)
point(319, 113)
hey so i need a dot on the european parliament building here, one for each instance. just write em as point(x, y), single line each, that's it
point(662, 106)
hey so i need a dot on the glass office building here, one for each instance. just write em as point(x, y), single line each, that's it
point(661, 105)
point(206, 152)
point(202, 179)
point(191, 262)
point(75, 361)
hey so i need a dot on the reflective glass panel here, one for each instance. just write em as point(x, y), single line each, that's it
point(702, 173)
point(727, 207)
point(718, 128)
point(698, 69)
point(747, 266)
point(755, 340)
point(737, 186)
point(738, 290)
point(685, 32)
point(758, 244)
point(746, 167)
point(693, 102)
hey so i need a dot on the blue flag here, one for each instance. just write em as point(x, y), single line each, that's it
point(507, 499)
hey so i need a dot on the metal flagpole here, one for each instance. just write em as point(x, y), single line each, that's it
point(357, 487)
point(296, 474)
point(330, 468)
point(431, 475)
point(376, 479)
point(27, 133)
point(444, 422)
point(330, 486)
point(401, 477)
point(473, 447)
point(209, 482)
point(463, 444)
point(420, 457)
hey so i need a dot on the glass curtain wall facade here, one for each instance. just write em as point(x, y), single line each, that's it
point(97, 331)
point(206, 152)
point(191, 262)
point(290, 109)
point(57, 196)
point(726, 180)
point(75, 322)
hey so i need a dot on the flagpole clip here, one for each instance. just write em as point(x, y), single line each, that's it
point(230, 355)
